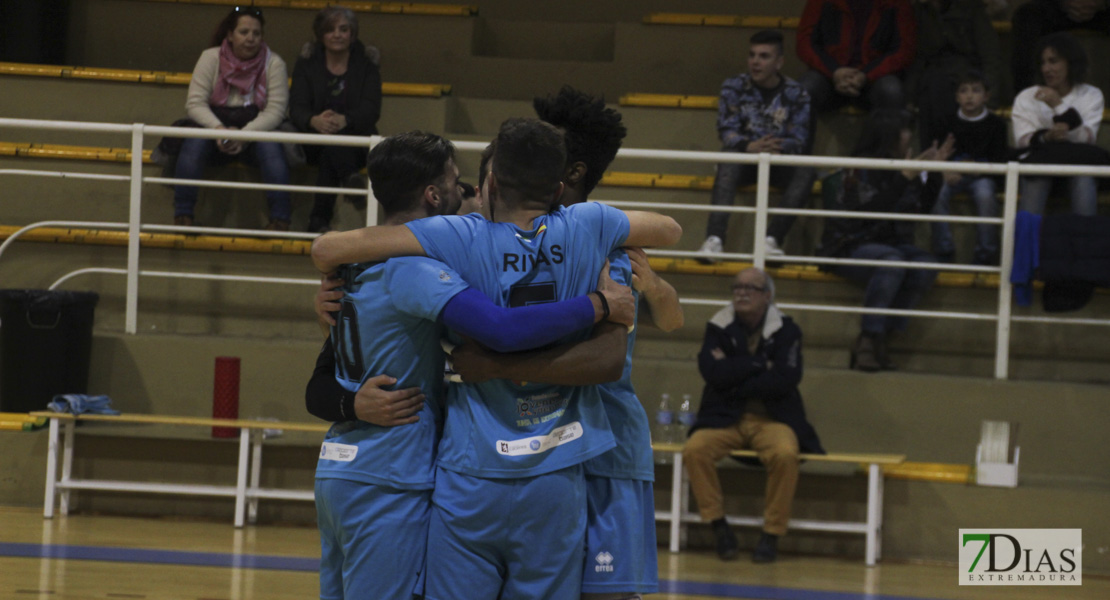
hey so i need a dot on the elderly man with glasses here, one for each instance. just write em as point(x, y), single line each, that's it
point(751, 361)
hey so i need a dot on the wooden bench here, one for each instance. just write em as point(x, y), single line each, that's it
point(677, 515)
point(246, 489)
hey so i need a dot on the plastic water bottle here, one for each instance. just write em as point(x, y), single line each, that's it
point(663, 430)
point(686, 418)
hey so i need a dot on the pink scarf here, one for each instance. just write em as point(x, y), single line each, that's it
point(248, 77)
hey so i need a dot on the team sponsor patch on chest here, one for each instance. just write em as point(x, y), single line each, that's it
point(540, 443)
point(338, 452)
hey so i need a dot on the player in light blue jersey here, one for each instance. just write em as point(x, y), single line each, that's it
point(373, 482)
point(509, 506)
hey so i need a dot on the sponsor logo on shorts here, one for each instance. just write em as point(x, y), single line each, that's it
point(604, 562)
point(338, 452)
point(540, 443)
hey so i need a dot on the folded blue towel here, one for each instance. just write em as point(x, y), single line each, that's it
point(82, 403)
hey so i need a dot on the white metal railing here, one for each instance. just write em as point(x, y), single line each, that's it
point(1002, 316)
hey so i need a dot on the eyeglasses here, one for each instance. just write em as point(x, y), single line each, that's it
point(252, 11)
point(747, 287)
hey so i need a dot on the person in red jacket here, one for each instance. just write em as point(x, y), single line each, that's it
point(856, 50)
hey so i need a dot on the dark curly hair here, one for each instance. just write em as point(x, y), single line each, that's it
point(593, 132)
point(227, 25)
point(1070, 50)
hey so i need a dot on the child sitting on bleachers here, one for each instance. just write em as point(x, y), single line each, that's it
point(980, 137)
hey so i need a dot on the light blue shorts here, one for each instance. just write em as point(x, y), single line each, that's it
point(620, 539)
point(507, 539)
point(373, 539)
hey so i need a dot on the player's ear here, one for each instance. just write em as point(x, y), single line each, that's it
point(558, 194)
point(575, 173)
point(431, 196)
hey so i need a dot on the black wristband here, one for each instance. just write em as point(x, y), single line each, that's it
point(604, 305)
point(347, 406)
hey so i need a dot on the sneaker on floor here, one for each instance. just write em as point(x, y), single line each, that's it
point(712, 244)
point(766, 548)
point(773, 247)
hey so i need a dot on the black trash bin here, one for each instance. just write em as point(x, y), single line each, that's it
point(45, 343)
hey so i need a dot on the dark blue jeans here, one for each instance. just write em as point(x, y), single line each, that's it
point(982, 190)
point(196, 154)
point(888, 287)
point(796, 183)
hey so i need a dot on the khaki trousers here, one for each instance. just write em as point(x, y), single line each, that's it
point(777, 447)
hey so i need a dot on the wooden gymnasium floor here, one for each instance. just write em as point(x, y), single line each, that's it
point(86, 557)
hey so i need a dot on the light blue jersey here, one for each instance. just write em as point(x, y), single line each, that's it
point(504, 429)
point(631, 458)
point(387, 325)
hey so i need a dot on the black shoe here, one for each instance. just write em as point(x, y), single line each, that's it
point(318, 225)
point(727, 546)
point(766, 548)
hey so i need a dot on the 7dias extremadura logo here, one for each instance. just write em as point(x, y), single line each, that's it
point(1021, 557)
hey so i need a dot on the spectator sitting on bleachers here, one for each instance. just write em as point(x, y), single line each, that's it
point(337, 90)
point(1057, 123)
point(237, 84)
point(855, 49)
point(980, 137)
point(761, 111)
point(887, 135)
point(953, 36)
point(751, 360)
point(1037, 18)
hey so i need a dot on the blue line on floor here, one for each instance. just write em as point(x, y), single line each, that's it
point(312, 565)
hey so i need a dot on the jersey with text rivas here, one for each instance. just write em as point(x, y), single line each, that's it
point(501, 428)
point(387, 326)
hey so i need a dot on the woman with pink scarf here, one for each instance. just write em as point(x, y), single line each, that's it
point(239, 83)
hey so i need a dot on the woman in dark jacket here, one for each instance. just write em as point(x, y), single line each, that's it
point(887, 135)
point(337, 90)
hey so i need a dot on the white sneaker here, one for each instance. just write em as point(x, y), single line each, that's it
point(773, 247)
point(712, 244)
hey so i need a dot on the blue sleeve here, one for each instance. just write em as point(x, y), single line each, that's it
point(474, 315)
point(598, 226)
point(422, 287)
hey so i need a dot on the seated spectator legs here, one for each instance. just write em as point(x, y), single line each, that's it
point(269, 157)
point(982, 191)
point(334, 165)
point(1082, 190)
point(821, 97)
point(886, 92)
point(886, 287)
point(730, 176)
point(797, 184)
point(194, 157)
point(778, 451)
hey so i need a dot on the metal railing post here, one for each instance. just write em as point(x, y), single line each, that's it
point(762, 193)
point(1005, 288)
point(134, 218)
point(371, 201)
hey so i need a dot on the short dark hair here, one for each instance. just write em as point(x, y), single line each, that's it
point(1070, 50)
point(971, 76)
point(468, 190)
point(593, 133)
point(329, 16)
point(401, 166)
point(529, 159)
point(767, 36)
point(882, 132)
point(227, 25)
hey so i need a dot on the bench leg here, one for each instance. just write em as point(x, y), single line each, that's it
point(874, 514)
point(51, 471)
point(67, 466)
point(676, 502)
point(256, 474)
point(241, 481)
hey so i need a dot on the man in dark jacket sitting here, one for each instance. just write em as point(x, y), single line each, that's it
point(751, 361)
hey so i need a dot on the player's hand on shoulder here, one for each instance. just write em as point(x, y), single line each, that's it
point(473, 363)
point(644, 278)
point(387, 408)
point(622, 306)
point(327, 299)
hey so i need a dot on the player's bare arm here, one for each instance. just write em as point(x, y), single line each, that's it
point(367, 244)
point(660, 297)
point(597, 360)
point(651, 230)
